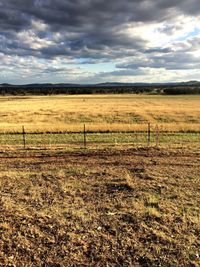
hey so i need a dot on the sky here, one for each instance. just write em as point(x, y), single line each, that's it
point(95, 41)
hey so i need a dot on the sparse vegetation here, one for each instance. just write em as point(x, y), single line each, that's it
point(130, 207)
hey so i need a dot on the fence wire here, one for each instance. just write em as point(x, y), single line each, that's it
point(97, 139)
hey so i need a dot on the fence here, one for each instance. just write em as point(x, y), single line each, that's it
point(86, 139)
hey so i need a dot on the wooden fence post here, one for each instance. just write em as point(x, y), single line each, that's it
point(149, 133)
point(84, 134)
point(24, 137)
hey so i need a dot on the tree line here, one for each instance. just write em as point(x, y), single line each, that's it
point(48, 90)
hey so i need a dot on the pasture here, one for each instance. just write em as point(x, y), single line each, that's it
point(119, 201)
point(100, 113)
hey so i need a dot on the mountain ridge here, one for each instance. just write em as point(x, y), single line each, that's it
point(106, 84)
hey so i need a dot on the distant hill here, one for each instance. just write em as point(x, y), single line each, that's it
point(188, 87)
point(107, 84)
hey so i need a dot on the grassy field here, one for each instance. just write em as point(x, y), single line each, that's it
point(100, 113)
point(119, 202)
point(98, 140)
point(116, 207)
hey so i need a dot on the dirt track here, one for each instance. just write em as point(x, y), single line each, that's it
point(99, 156)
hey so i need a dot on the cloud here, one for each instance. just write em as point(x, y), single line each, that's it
point(134, 35)
point(171, 61)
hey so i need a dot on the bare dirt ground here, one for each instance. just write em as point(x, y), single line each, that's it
point(111, 207)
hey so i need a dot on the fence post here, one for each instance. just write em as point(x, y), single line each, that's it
point(84, 134)
point(24, 137)
point(149, 133)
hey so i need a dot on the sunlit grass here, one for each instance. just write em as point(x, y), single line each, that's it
point(99, 113)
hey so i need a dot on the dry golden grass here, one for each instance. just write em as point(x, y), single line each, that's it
point(99, 112)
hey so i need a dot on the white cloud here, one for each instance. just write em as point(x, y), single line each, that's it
point(164, 33)
point(30, 39)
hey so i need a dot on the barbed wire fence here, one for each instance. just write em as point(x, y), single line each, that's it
point(153, 136)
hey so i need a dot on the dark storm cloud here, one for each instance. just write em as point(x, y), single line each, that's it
point(85, 27)
point(78, 13)
point(191, 7)
point(94, 30)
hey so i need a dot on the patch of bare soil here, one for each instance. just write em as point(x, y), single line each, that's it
point(112, 207)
